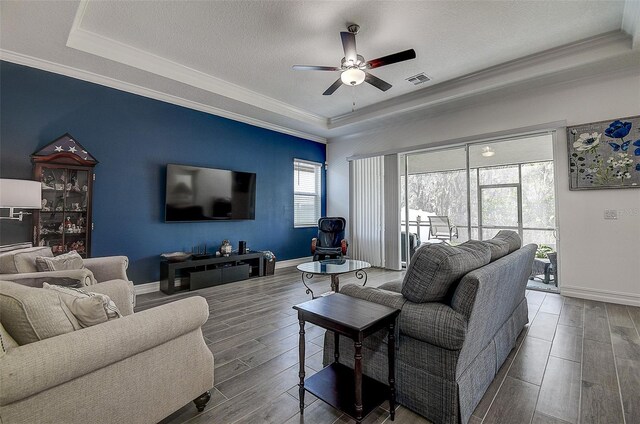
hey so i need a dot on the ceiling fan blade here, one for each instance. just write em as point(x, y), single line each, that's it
point(333, 87)
point(349, 46)
point(392, 58)
point(377, 82)
point(314, 68)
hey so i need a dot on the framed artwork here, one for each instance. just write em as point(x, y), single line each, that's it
point(604, 154)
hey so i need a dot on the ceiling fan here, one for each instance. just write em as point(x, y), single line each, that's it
point(353, 67)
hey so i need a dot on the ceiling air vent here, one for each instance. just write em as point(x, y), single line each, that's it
point(418, 79)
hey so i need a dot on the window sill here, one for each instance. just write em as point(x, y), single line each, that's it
point(306, 226)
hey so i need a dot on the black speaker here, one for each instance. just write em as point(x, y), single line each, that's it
point(242, 247)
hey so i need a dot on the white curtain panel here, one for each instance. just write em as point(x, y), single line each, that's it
point(392, 258)
point(366, 210)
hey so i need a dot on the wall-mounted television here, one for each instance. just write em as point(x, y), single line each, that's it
point(208, 194)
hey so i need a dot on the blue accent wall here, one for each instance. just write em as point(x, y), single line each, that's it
point(134, 138)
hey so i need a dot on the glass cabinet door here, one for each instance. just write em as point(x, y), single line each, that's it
point(50, 225)
point(75, 216)
point(63, 221)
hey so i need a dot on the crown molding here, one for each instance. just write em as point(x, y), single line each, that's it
point(556, 60)
point(83, 75)
point(92, 43)
point(626, 65)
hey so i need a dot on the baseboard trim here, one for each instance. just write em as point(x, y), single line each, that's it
point(154, 286)
point(293, 262)
point(151, 287)
point(623, 298)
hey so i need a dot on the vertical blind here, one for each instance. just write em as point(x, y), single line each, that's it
point(366, 209)
point(307, 189)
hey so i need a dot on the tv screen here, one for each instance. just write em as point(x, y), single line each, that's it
point(207, 194)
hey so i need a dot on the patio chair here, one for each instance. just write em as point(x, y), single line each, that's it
point(441, 229)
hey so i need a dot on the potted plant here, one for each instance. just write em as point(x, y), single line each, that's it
point(542, 251)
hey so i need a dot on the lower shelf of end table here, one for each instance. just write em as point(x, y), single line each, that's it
point(333, 385)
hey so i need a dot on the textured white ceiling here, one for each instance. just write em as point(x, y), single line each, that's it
point(253, 44)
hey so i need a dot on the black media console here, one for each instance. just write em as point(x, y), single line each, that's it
point(200, 273)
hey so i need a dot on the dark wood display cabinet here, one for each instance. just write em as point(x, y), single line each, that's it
point(65, 171)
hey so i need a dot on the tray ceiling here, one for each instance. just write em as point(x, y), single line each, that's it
point(233, 58)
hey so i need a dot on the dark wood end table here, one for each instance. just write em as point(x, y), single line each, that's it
point(356, 319)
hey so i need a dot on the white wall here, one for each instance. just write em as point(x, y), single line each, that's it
point(599, 259)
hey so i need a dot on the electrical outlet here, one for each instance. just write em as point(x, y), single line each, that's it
point(610, 214)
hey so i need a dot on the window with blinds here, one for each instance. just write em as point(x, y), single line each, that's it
point(307, 189)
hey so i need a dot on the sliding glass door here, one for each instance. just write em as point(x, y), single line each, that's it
point(499, 209)
point(435, 184)
point(478, 189)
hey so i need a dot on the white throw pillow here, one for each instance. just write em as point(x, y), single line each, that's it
point(88, 308)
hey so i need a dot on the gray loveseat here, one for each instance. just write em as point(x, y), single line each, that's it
point(449, 350)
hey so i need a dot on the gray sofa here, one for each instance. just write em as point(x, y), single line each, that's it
point(448, 350)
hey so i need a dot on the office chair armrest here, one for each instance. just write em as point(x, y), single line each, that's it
point(344, 244)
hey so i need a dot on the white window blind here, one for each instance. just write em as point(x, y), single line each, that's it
point(366, 210)
point(307, 189)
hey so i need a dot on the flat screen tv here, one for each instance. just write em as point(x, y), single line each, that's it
point(207, 194)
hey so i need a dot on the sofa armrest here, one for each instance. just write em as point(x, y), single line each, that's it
point(376, 295)
point(394, 286)
point(80, 277)
point(108, 267)
point(120, 291)
point(35, 367)
point(434, 323)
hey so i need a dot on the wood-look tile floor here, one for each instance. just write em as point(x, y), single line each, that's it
point(578, 361)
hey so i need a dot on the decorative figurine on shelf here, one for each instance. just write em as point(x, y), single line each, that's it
point(45, 207)
point(59, 185)
point(225, 248)
point(47, 181)
point(78, 246)
point(74, 184)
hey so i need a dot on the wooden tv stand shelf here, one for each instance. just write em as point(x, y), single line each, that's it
point(208, 272)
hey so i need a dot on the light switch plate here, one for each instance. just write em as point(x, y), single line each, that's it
point(610, 214)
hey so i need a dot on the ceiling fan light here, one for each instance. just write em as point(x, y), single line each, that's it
point(353, 76)
point(488, 152)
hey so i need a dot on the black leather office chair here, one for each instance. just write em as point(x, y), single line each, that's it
point(330, 243)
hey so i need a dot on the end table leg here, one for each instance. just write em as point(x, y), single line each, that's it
point(335, 283)
point(392, 371)
point(301, 373)
point(357, 368)
point(336, 347)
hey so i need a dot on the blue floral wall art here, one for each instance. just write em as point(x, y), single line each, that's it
point(604, 154)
